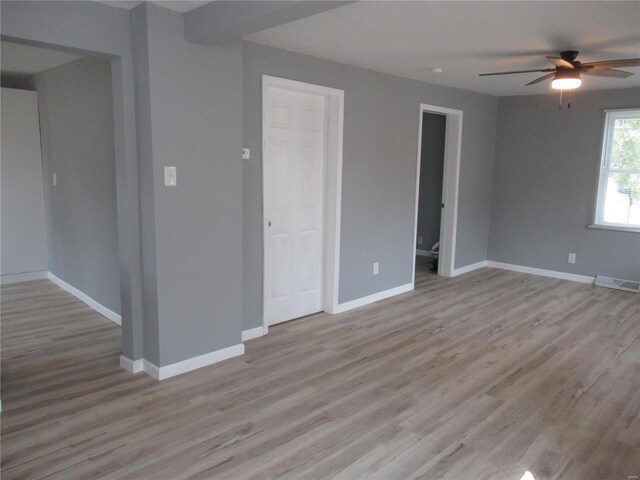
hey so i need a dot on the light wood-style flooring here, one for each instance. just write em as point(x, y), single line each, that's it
point(483, 376)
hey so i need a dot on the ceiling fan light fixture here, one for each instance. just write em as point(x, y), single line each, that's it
point(566, 80)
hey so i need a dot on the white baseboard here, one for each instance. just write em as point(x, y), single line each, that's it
point(101, 309)
point(23, 277)
point(133, 366)
point(252, 333)
point(359, 302)
point(522, 269)
point(168, 371)
point(469, 268)
point(423, 253)
point(196, 362)
point(539, 271)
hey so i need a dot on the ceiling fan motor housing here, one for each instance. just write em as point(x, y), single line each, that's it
point(569, 55)
point(562, 72)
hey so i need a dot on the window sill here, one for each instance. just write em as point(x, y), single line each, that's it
point(615, 227)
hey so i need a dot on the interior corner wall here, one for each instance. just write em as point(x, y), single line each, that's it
point(140, 55)
point(545, 183)
point(76, 121)
point(193, 100)
point(434, 127)
point(379, 171)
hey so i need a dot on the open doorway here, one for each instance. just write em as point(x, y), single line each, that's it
point(437, 180)
point(434, 126)
point(59, 207)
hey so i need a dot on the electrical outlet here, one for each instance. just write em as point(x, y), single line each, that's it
point(376, 268)
point(419, 240)
point(246, 154)
point(572, 258)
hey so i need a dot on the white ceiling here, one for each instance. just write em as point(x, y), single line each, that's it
point(26, 60)
point(177, 5)
point(468, 38)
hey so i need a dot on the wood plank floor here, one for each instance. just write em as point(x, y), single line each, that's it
point(483, 376)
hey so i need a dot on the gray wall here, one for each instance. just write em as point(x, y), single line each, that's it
point(431, 172)
point(378, 189)
point(545, 181)
point(24, 239)
point(76, 119)
point(91, 27)
point(193, 272)
point(192, 107)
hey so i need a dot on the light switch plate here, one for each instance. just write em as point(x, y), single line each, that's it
point(170, 177)
point(55, 179)
point(246, 154)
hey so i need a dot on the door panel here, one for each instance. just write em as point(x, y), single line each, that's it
point(280, 181)
point(308, 266)
point(280, 277)
point(295, 169)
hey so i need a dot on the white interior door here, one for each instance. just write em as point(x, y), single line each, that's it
point(295, 145)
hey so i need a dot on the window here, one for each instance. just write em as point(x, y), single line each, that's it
point(618, 201)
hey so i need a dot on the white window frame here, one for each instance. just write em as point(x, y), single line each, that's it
point(610, 118)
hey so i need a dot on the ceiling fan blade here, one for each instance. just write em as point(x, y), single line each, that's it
point(623, 62)
point(559, 62)
point(540, 79)
point(609, 72)
point(517, 71)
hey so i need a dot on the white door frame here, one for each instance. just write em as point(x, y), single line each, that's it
point(333, 186)
point(450, 185)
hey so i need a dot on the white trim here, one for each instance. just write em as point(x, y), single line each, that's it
point(610, 118)
point(133, 366)
point(178, 368)
point(617, 228)
point(450, 186)
point(423, 253)
point(469, 268)
point(376, 297)
point(151, 369)
point(160, 373)
point(252, 333)
point(631, 109)
point(101, 309)
point(333, 185)
point(23, 277)
point(539, 271)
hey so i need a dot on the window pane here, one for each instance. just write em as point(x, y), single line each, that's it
point(625, 153)
point(622, 203)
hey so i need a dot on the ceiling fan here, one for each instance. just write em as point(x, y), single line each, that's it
point(567, 71)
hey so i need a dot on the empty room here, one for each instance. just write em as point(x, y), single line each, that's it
point(320, 240)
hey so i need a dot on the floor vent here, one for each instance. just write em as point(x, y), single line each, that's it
point(618, 284)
